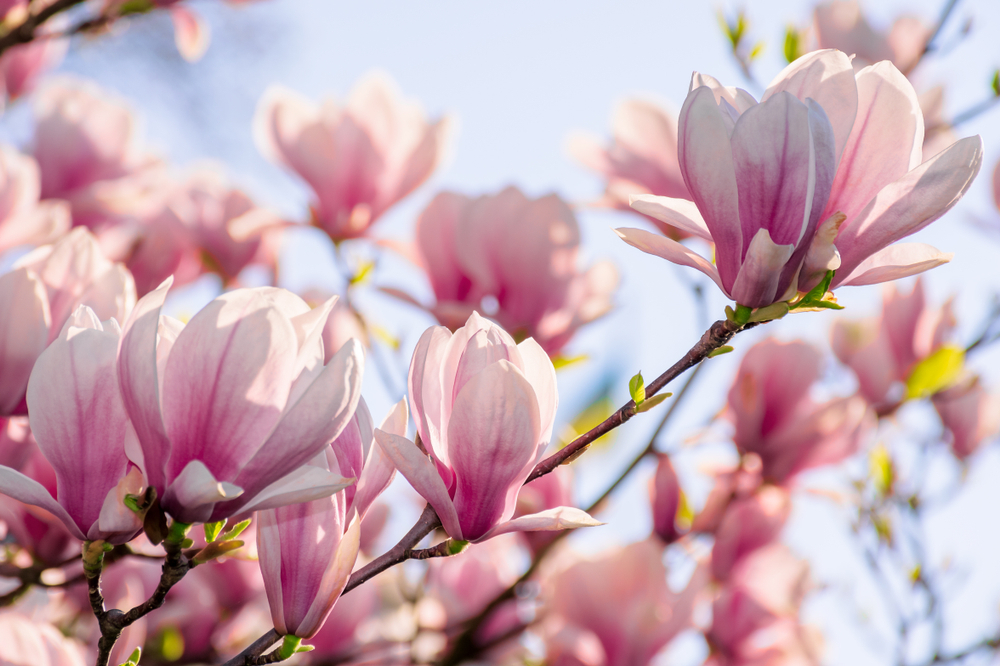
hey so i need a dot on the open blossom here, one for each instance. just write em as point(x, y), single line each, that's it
point(23, 220)
point(229, 408)
point(44, 288)
point(79, 422)
point(520, 252)
point(359, 159)
point(307, 550)
point(484, 408)
point(622, 600)
point(824, 174)
point(642, 157)
point(883, 351)
point(775, 418)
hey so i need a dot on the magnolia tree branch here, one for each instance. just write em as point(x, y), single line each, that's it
point(24, 32)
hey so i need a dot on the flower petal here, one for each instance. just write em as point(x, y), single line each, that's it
point(305, 484)
point(379, 471)
point(706, 159)
point(139, 382)
point(422, 474)
point(757, 283)
point(194, 488)
point(27, 490)
point(670, 250)
point(493, 440)
point(894, 263)
point(559, 518)
point(679, 213)
point(911, 203)
point(22, 338)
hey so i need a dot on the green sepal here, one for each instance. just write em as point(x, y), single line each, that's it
point(652, 402)
point(455, 546)
point(559, 361)
point(995, 84)
point(814, 299)
point(133, 659)
point(212, 530)
point(177, 533)
point(290, 645)
point(235, 530)
point(637, 389)
point(770, 312)
point(742, 314)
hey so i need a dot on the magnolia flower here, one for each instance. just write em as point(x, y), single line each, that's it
point(665, 498)
point(841, 25)
point(824, 174)
point(229, 408)
point(621, 599)
point(23, 220)
point(79, 422)
point(484, 409)
point(748, 524)
point(88, 154)
point(775, 418)
point(883, 351)
point(358, 159)
point(24, 641)
point(519, 252)
point(44, 288)
point(970, 414)
point(642, 157)
point(307, 550)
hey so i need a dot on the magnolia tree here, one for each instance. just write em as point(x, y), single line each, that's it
point(209, 489)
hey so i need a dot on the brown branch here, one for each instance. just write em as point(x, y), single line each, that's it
point(24, 32)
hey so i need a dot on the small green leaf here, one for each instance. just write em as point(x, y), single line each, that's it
point(132, 503)
point(792, 39)
point(725, 349)
point(135, 7)
point(212, 530)
point(756, 51)
point(996, 83)
point(216, 549)
point(235, 530)
point(730, 314)
point(289, 646)
point(364, 270)
point(936, 372)
point(742, 314)
point(133, 659)
point(770, 312)
point(652, 402)
point(637, 389)
point(881, 470)
point(455, 546)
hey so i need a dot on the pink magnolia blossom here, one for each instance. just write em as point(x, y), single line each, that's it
point(665, 498)
point(359, 159)
point(796, 190)
point(21, 66)
point(519, 252)
point(755, 616)
point(970, 414)
point(841, 25)
point(229, 408)
point(621, 599)
point(24, 641)
point(44, 288)
point(748, 524)
point(23, 220)
point(484, 408)
point(79, 422)
point(775, 418)
point(88, 153)
point(307, 550)
point(883, 351)
point(730, 484)
point(642, 157)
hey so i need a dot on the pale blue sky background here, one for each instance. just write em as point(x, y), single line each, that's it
point(519, 77)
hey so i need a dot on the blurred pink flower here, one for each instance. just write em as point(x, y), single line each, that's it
point(213, 453)
point(338, 636)
point(359, 159)
point(642, 158)
point(841, 25)
point(484, 408)
point(79, 422)
point(23, 220)
point(755, 616)
point(775, 418)
point(44, 288)
point(621, 599)
point(748, 524)
point(24, 641)
point(970, 414)
point(21, 66)
point(665, 498)
point(882, 351)
point(88, 154)
point(519, 252)
point(839, 209)
point(307, 550)
point(553, 490)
